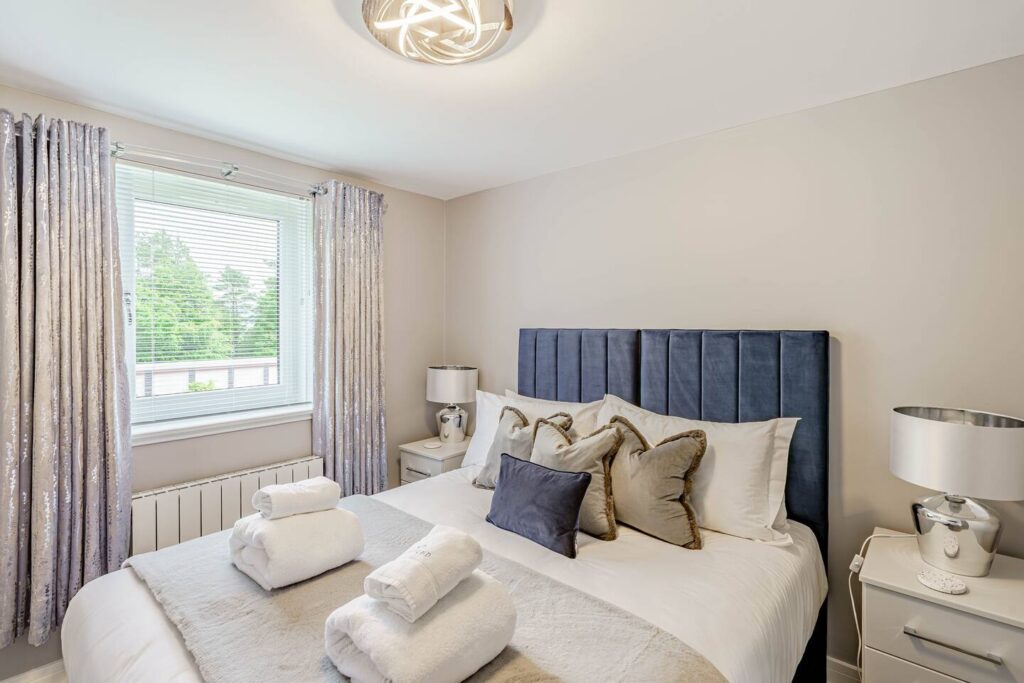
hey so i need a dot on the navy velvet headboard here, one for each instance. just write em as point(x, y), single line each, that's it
point(722, 376)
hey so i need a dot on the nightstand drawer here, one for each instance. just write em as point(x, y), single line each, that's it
point(956, 643)
point(416, 467)
point(882, 668)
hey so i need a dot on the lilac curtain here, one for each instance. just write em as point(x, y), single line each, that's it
point(65, 452)
point(348, 343)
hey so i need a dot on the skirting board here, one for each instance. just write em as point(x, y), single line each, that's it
point(838, 671)
point(49, 673)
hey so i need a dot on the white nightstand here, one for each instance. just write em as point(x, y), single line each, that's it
point(419, 462)
point(912, 633)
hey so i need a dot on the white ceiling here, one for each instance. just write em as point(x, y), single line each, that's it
point(581, 80)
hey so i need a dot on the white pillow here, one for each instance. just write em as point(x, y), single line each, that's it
point(584, 415)
point(740, 486)
point(488, 408)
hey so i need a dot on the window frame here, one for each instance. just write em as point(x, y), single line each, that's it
point(289, 399)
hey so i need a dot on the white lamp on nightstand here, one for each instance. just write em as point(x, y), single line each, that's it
point(451, 385)
point(964, 454)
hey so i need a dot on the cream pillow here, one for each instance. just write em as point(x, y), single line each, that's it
point(514, 437)
point(584, 415)
point(555, 449)
point(488, 409)
point(740, 487)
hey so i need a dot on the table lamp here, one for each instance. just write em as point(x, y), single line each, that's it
point(451, 385)
point(966, 455)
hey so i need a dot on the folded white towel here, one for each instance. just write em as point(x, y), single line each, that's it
point(413, 582)
point(283, 500)
point(466, 629)
point(279, 552)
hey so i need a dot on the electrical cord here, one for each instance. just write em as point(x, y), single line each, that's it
point(855, 566)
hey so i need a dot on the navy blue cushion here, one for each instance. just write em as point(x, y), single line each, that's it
point(539, 503)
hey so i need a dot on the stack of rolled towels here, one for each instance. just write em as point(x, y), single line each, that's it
point(428, 615)
point(297, 534)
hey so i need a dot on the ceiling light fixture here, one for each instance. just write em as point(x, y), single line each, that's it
point(440, 31)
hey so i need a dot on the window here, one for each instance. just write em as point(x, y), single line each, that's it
point(217, 290)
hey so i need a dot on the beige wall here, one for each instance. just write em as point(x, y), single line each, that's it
point(171, 462)
point(413, 295)
point(895, 220)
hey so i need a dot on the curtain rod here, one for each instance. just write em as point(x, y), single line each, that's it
point(225, 169)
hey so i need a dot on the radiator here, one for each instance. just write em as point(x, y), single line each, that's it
point(174, 514)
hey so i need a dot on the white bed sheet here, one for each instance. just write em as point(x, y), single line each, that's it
point(748, 607)
point(115, 630)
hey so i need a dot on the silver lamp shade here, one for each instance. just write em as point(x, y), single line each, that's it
point(965, 454)
point(451, 385)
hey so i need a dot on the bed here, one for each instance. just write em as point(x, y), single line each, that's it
point(753, 610)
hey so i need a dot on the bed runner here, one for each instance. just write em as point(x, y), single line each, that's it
point(236, 631)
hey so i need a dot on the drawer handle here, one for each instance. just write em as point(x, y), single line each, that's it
point(416, 471)
point(987, 656)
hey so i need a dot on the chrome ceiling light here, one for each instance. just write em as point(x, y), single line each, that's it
point(440, 31)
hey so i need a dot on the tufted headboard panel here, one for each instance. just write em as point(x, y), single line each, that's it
point(721, 376)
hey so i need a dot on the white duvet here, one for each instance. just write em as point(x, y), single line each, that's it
point(749, 608)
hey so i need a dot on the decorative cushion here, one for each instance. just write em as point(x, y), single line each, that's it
point(488, 410)
point(584, 415)
point(653, 484)
point(514, 436)
point(740, 488)
point(539, 503)
point(554, 448)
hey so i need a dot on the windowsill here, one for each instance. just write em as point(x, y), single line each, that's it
point(190, 428)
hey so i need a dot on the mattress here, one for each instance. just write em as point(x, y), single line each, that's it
point(749, 608)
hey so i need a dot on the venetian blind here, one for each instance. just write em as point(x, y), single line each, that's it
point(217, 288)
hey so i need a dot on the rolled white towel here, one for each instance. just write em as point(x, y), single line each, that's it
point(465, 630)
point(413, 582)
point(279, 552)
point(283, 500)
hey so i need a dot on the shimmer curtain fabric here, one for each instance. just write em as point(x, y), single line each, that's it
point(64, 413)
point(348, 345)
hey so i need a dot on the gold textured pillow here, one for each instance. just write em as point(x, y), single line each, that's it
point(554, 448)
point(653, 484)
point(514, 437)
